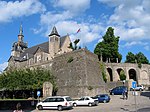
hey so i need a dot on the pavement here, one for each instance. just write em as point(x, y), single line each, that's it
point(139, 103)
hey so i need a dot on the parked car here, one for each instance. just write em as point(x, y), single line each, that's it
point(55, 102)
point(138, 88)
point(103, 98)
point(118, 90)
point(86, 100)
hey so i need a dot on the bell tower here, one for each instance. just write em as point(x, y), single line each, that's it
point(19, 46)
point(54, 42)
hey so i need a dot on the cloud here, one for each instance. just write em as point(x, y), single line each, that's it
point(89, 32)
point(10, 10)
point(130, 18)
point(3, 66)
point(137, 43)
point(147, 48)
point(77, 6)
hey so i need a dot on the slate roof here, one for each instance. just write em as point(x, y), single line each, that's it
point(54, 32)
point(29, 52)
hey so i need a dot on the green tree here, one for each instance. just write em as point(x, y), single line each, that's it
point(102, 68)
point(130, 58)
point(108, 48)
point(26, 79)
point(139, 58)
point(122, 75)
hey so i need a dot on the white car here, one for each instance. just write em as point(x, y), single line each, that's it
point(86, 100)
point(55, 102)
point(138, 88)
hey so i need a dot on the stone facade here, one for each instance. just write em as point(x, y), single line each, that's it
point(78, 77)
point(132, 72)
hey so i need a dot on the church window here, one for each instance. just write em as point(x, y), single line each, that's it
point(52, 39)
point(39, 58)
point(56, 39)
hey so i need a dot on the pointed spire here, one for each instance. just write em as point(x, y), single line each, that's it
point(54, 32)
point(20, 35)
point(21, 30)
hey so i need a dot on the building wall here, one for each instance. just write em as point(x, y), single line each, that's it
point(78, 77)
point(142, 74)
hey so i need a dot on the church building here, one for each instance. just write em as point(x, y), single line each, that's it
point(24, 56)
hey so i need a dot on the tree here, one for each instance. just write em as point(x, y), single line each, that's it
point(139, 58)
point(75, 47)
point(102, 68)
point(108, 48)
point(26, 79)
point(130, 58)
point(122, 75)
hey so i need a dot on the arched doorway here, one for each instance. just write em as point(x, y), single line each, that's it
point(109, 70)
point(119, 71)
point(132, 74)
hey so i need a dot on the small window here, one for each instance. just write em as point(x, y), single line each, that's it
point(81, 99)
point(86, 98)
point(46, 100)
point(52, 99)
point(68, 99)
point(102, 95)
point(59, 99)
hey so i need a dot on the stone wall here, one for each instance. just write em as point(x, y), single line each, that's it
point(78, 74)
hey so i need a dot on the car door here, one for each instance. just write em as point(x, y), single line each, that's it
point(46, 103)
point(102, 98)
point(80, 101)
point(86, 101)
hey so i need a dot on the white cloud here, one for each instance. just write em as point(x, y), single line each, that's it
point(3, 66)
point(130, 18)
point(10, 10)
point(88, 32)
point(135, 43)
point(147, 48)
point(51, 18)
point(77, 6)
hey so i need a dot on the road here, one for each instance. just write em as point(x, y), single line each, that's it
point(117, 104)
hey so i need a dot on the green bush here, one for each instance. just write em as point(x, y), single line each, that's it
point(122, 75)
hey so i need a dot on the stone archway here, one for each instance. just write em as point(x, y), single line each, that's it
point(109, 70)
point(119, 71)
point(132, 74)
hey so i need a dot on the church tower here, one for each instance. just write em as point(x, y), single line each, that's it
point(54, 42)
point(20, 46)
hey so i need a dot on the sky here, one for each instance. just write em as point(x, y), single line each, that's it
point(129, 18)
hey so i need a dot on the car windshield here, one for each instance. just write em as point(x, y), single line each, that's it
point(68, 99)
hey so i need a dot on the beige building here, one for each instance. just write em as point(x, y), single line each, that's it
point(22, 56)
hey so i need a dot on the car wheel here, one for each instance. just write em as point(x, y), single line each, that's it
point(112, 93)
point(104, 101)
point(59, 108)
point(74, 104)
point(40, 107)
point(90, 104)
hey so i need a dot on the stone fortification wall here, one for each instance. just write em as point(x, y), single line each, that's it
point(78, 74)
